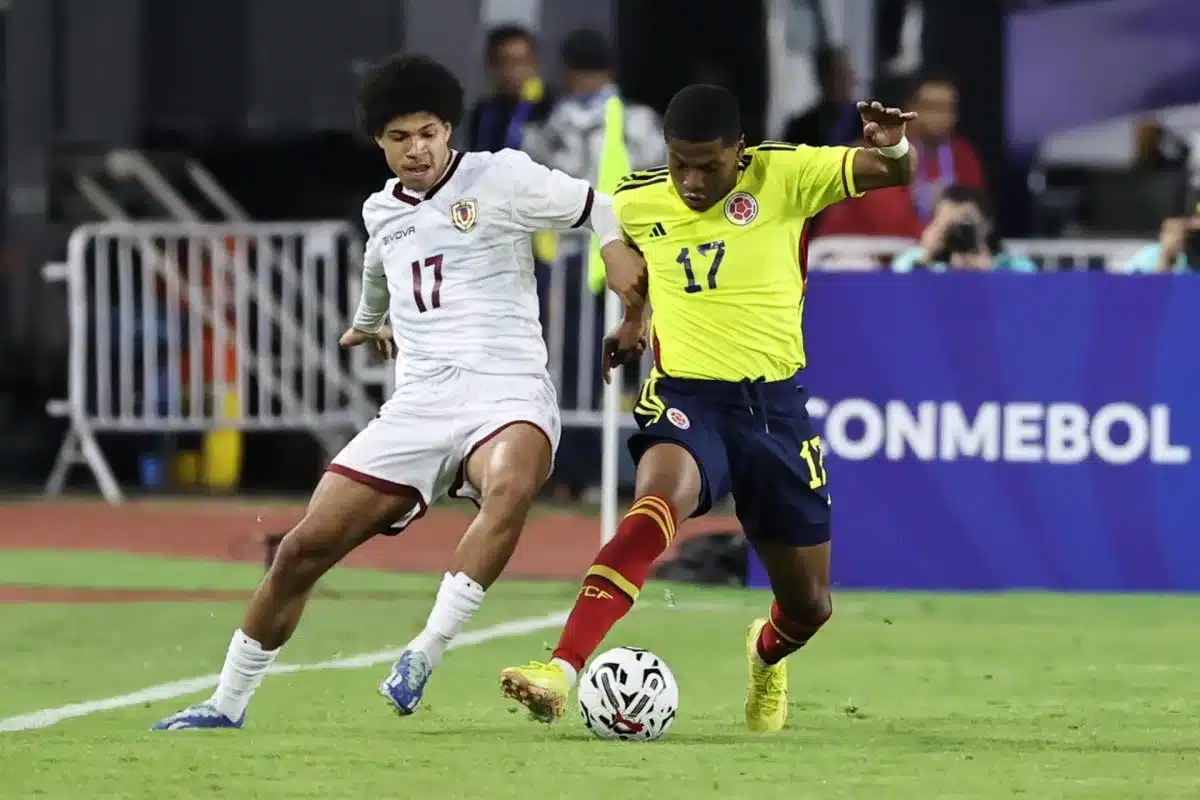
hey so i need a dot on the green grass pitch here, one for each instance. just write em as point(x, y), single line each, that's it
point(902, 696)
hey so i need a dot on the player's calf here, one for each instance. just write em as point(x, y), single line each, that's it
point(341, 515)
point(610, 588)
point(508, 469)
point(668, 490)
point(668, 487)
point(791, 625)
point(799, 575)
point(799, 578)
point(769, 641)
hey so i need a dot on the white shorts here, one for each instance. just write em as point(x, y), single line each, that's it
point(425, 433)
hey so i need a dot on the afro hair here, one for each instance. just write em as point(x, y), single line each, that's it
point(405, 85)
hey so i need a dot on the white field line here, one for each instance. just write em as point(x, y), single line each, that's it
point(167, 691)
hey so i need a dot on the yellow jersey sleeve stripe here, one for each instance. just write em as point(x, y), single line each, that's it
point(630, 185)
point(777, 146)
point(848, 172)
point(642, 174)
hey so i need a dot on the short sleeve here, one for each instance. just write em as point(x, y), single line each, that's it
point(818, 176)
point(626, 213)
point(546, 199)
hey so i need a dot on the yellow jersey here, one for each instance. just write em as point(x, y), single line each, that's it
point(727, 284)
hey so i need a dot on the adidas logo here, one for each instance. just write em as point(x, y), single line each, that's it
point(657, 230)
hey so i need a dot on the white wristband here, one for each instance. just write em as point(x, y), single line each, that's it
point(896, 151)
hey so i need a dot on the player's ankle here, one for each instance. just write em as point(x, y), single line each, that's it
point(431, 644)
point(569, 669)
point(226, 706)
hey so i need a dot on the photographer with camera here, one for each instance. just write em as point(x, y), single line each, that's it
point(1177, 250)
point(961, 235)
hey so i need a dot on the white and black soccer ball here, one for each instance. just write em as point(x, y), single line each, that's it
point(628, 693)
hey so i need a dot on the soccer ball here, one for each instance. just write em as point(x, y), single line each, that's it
point(628, 693)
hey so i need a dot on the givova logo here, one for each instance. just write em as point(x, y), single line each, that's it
point(1056, 433)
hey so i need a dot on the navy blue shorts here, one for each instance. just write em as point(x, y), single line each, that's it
point(753, 439)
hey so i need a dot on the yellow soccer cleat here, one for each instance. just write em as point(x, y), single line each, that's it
point(541, 688)
point(767, 693)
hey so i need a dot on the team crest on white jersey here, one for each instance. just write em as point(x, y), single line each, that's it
point(678, 419)
point(464, 214)
point(741, 208)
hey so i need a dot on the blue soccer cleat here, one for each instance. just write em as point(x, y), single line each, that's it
point(404, 688)
point(201, 717)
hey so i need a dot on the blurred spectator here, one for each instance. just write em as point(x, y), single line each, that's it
point(1177, 249)
point(518, 96)
point(834, 120)
point(961, 235)
point(573, 138)
point(592, 133)
point(945, 158)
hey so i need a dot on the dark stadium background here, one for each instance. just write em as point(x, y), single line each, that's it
point(261, 91)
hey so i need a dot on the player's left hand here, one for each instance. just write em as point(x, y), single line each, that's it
point(382, 339)
point(883, 126)
point(624, 344)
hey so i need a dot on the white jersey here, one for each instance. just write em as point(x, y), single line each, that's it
point(459, 262)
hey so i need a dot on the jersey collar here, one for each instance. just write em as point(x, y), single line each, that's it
point(413, 199)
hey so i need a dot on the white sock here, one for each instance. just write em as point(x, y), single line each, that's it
point(569, 669)
point(457, 601)
point(246, 664)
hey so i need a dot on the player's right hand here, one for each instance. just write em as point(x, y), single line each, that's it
point(624, 344)
point(382, 339)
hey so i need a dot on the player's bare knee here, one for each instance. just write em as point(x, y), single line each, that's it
point(511, 494)
point(669, 471)
point(304, 555)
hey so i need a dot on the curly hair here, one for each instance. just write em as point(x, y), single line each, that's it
point(408, 84)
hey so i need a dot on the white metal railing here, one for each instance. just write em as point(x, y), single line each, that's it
point(855, 253)
point(197, 326)
point(155, 307)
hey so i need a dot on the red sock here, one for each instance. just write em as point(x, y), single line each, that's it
point(612, 583)
point(781, 637)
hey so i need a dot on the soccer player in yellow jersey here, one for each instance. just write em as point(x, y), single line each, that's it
point(722, 228)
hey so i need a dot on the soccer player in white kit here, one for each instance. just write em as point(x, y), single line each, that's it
point(449, 260)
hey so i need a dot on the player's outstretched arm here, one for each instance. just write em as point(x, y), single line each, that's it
point(891, 160)
point(546, 199)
